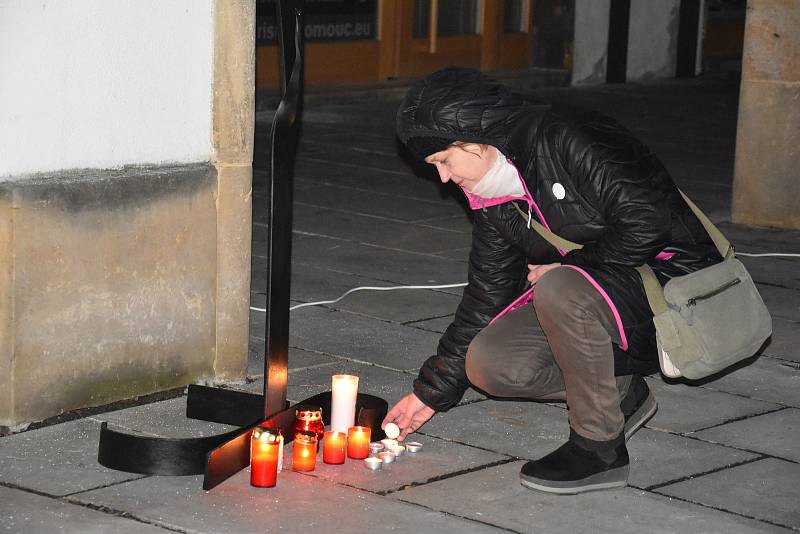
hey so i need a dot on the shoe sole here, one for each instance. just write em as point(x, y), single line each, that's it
point(641, 416)
point(613, 478)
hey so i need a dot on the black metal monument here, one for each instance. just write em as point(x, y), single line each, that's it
point(220, 456)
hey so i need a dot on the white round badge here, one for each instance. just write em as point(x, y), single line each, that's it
point(558, 191)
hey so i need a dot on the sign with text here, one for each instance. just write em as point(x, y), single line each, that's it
point(324, 20)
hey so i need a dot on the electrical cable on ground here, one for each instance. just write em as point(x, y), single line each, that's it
point(463, 284)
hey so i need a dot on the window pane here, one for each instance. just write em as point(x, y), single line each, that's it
point(514, 16)
point(456, 17)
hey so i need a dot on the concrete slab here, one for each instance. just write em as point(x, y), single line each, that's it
point(781, 301)
point(298, 504)
point(57, 460)
point(495, 496)
point(776, 434)
point(768, 379)
point(313, 284)
point(394, 266)
point(683, 408)
point(298, 358)
point(386, 206)
point(765, 489)
point(25, 512)
point(438, 324)
point(165, 419)
point(785, 342)
point(377, 231)
point(355, 337)
point(659, 457)
point(438, 458)
point(774, 270)
point(520, 429)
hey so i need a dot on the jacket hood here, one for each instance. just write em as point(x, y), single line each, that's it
point(459, 104)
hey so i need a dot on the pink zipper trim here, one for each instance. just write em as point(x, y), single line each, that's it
point(623, 339)
point(519, 302)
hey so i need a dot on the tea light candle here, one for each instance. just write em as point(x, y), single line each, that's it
point(305, 452)
point(334, 445)
point(387, 457)
point(344, 391)
point(392, 431)
point(413, 447)
point(388, 443)
point(397, 450)
point(375, 447)
point(373, 464)
point(358, 442)
point(264, 451)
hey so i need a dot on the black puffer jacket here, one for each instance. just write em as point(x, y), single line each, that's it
point(617, 200)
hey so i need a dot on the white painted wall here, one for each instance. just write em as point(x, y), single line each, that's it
point(653, 39)
point(104, 83)
point(591, 41)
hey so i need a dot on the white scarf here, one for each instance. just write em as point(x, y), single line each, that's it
point(501, 180)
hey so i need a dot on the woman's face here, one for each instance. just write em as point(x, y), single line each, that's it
point(464, 164)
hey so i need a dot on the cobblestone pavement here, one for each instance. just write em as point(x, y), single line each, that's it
point(719, 457)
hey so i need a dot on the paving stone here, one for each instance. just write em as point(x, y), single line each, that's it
point(25, 512)
point(57, 460)
point(375, 231)
point(520, 429)
point(166, 419)
point(298, 358)
point(367, 202)
point(785, 342)
point(684, 408)
point(494, 495)
point(765, 489)
point(458, 223)
point(437, 459)
point(781, 302)
point(365, 339)
point(313, 284)
point(777, 434)
point(659, 457)
point(774, 270)
point(392, 266)
point(768, 379)
point(298, 504)
point(439, 324)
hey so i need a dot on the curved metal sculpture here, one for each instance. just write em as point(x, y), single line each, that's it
point(220, 456)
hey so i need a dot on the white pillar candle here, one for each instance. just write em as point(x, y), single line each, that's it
point(343, 403)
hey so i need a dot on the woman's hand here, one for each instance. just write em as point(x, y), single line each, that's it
point(536, 271)
point(409, 414)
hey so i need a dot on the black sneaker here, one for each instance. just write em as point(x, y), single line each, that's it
point(638, 405)
point(579, 465)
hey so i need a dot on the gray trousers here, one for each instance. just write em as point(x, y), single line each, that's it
point(559, 349)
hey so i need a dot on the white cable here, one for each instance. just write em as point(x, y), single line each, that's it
point(768, 254)
point(362, 288)
point(447, 286)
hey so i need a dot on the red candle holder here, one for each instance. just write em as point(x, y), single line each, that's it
point(358, 442)
point(309, 421)
point(304, 457)
point(265, 447)
point(334, 446)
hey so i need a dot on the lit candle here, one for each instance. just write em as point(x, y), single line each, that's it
point(264, 451)
point(305, 452)
point(358, 442)
point(344, 391)
point(334, 446)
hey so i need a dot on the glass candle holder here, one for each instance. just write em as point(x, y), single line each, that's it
point(265, 448)
point(358, 442)
point(334, 446)
point(309, 421)
point(304, 457)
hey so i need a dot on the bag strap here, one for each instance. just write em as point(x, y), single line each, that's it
point(652, 287)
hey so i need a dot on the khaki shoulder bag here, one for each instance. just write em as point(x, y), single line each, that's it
point(706, 320)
